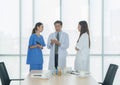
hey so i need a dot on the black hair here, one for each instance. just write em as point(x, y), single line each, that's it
point(58, 22)
point(35, 28)
point(84, 29)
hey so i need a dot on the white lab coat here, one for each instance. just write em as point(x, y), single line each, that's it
point(82, 56)
point(62, 50)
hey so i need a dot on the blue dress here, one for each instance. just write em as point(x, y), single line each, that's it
point(34, 55)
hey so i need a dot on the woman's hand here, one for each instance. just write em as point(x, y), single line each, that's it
point(39, 46)
point(76, 49)
point(35, 46)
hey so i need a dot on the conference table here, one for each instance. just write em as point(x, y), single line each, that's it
point(67, 79)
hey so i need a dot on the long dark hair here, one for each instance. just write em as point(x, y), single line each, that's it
point(35, 28)
point(84, 29)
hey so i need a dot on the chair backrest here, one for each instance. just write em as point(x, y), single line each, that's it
point(110, 75)
point(5, 80)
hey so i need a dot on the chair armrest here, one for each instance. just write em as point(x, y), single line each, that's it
point(17, 79)
point(100, 83)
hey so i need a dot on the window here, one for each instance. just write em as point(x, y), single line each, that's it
point(9, 36)
point(9, 27)
point(111, 25)
point(73, 12)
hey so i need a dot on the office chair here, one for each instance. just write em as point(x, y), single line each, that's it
point(5, 80)
point(110, 75)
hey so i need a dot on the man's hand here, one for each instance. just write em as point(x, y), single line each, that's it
point(54, 41)
point(57, 42)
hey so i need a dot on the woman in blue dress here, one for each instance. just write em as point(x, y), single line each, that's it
point(36, 44)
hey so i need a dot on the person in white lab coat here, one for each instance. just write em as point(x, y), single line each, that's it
point(82, 48)
point(58, 42)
